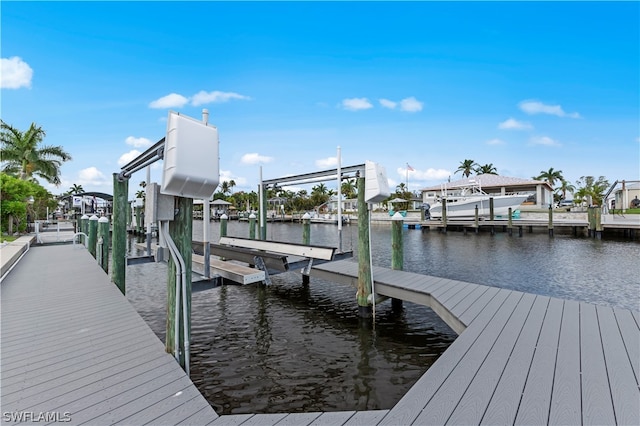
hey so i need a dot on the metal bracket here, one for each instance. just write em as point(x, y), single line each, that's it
point(307, 269)
point(259, 262)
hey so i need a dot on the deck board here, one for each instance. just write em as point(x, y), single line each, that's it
point(597, 406)
point(624, 388)
point(71, 342)
point(566, 400)
point(505, 401)
point(631, 336)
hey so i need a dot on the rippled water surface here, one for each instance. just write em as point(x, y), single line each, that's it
point(292, 348)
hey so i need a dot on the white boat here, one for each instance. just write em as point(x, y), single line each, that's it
point(461, 202)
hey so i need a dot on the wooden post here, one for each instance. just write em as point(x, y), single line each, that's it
point(181, 231)
point(223, 225)
point(397, 251)
point(93, 235)
point(550, 226)
point(598, 221)
point(477, 220)
point(252, 226)
point(103, 241)
point(119, 236)
point(263, 215)
point(139, 228)
point(491, 208)
point(592, 221)
point(444, 215)
point(306, 238)
point(84, 228)
point(364, 256)
point(510, 223)
point(306, 229)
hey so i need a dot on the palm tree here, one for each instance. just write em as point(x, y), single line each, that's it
point(487, 169)
point(224, 187)
point(348, 188)
point(23, 157)
point(550, 176)
point(565, 187)
point(232, 184)
point(76, 189)
point(466, 167)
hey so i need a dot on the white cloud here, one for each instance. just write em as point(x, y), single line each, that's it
point(410, 105)
point(532, 107)
point(327, 162)
point(227, 175)
point(423, 175)
point(387, 103)
point(216, 96)
point(496, 141)
point(255, 158)
point(172, 100)
point(91, 176)
point(138, 142)
point(15, 73)
point(513, 124)
point(128, 157)
point(356, 104)
point(544, 140)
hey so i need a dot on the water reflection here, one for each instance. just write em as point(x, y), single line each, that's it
point(294, 348)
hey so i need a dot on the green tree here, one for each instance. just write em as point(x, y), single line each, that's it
point(592, 189)
point(565, 186)
point(550, 176)
point(19, 198)
point(348, 188)
point(487, 169)
point(232, 184)
point(224, 187)
point(75, 189)
point(466, 167)
point(23, 156)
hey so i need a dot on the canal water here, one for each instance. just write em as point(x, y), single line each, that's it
point(295, 348)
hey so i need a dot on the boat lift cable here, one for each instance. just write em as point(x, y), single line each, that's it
point(150, 156)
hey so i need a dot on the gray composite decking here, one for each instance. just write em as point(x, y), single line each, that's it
point(519, 359)
point(71, 343)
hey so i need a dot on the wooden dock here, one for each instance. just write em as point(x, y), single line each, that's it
point(520, 358)
point(73, 347)
point(74, 350)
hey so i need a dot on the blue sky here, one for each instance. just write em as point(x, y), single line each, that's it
point(524, 86)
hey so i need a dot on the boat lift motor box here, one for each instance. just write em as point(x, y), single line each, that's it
point(191, 161)
point(376, 185)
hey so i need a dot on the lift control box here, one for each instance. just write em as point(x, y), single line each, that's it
point(191, 158)
point(376, 185)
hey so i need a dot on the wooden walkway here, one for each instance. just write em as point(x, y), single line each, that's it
point(519, 359)
point(73, 347)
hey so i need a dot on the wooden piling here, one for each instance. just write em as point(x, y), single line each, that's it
point(598, 222)
point(119, 235)
point(223, 225)
point(591, 218)
point(252, 226)
point(491, 217)
point(477, 220)
point(397, 251)
point(306, 229)
point(181, 231)
point(103, 242)
point(84, 228)
point(444, 215)
point(263, 215)
point(93, 235)
point(364, 256)
point(510, 223)
point(550, 226)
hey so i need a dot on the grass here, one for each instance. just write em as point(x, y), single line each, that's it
point(9, 238)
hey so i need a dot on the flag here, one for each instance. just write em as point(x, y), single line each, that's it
point(410, 168)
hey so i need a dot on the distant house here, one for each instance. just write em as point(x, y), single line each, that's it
point(626, 195)
point(542, 192)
